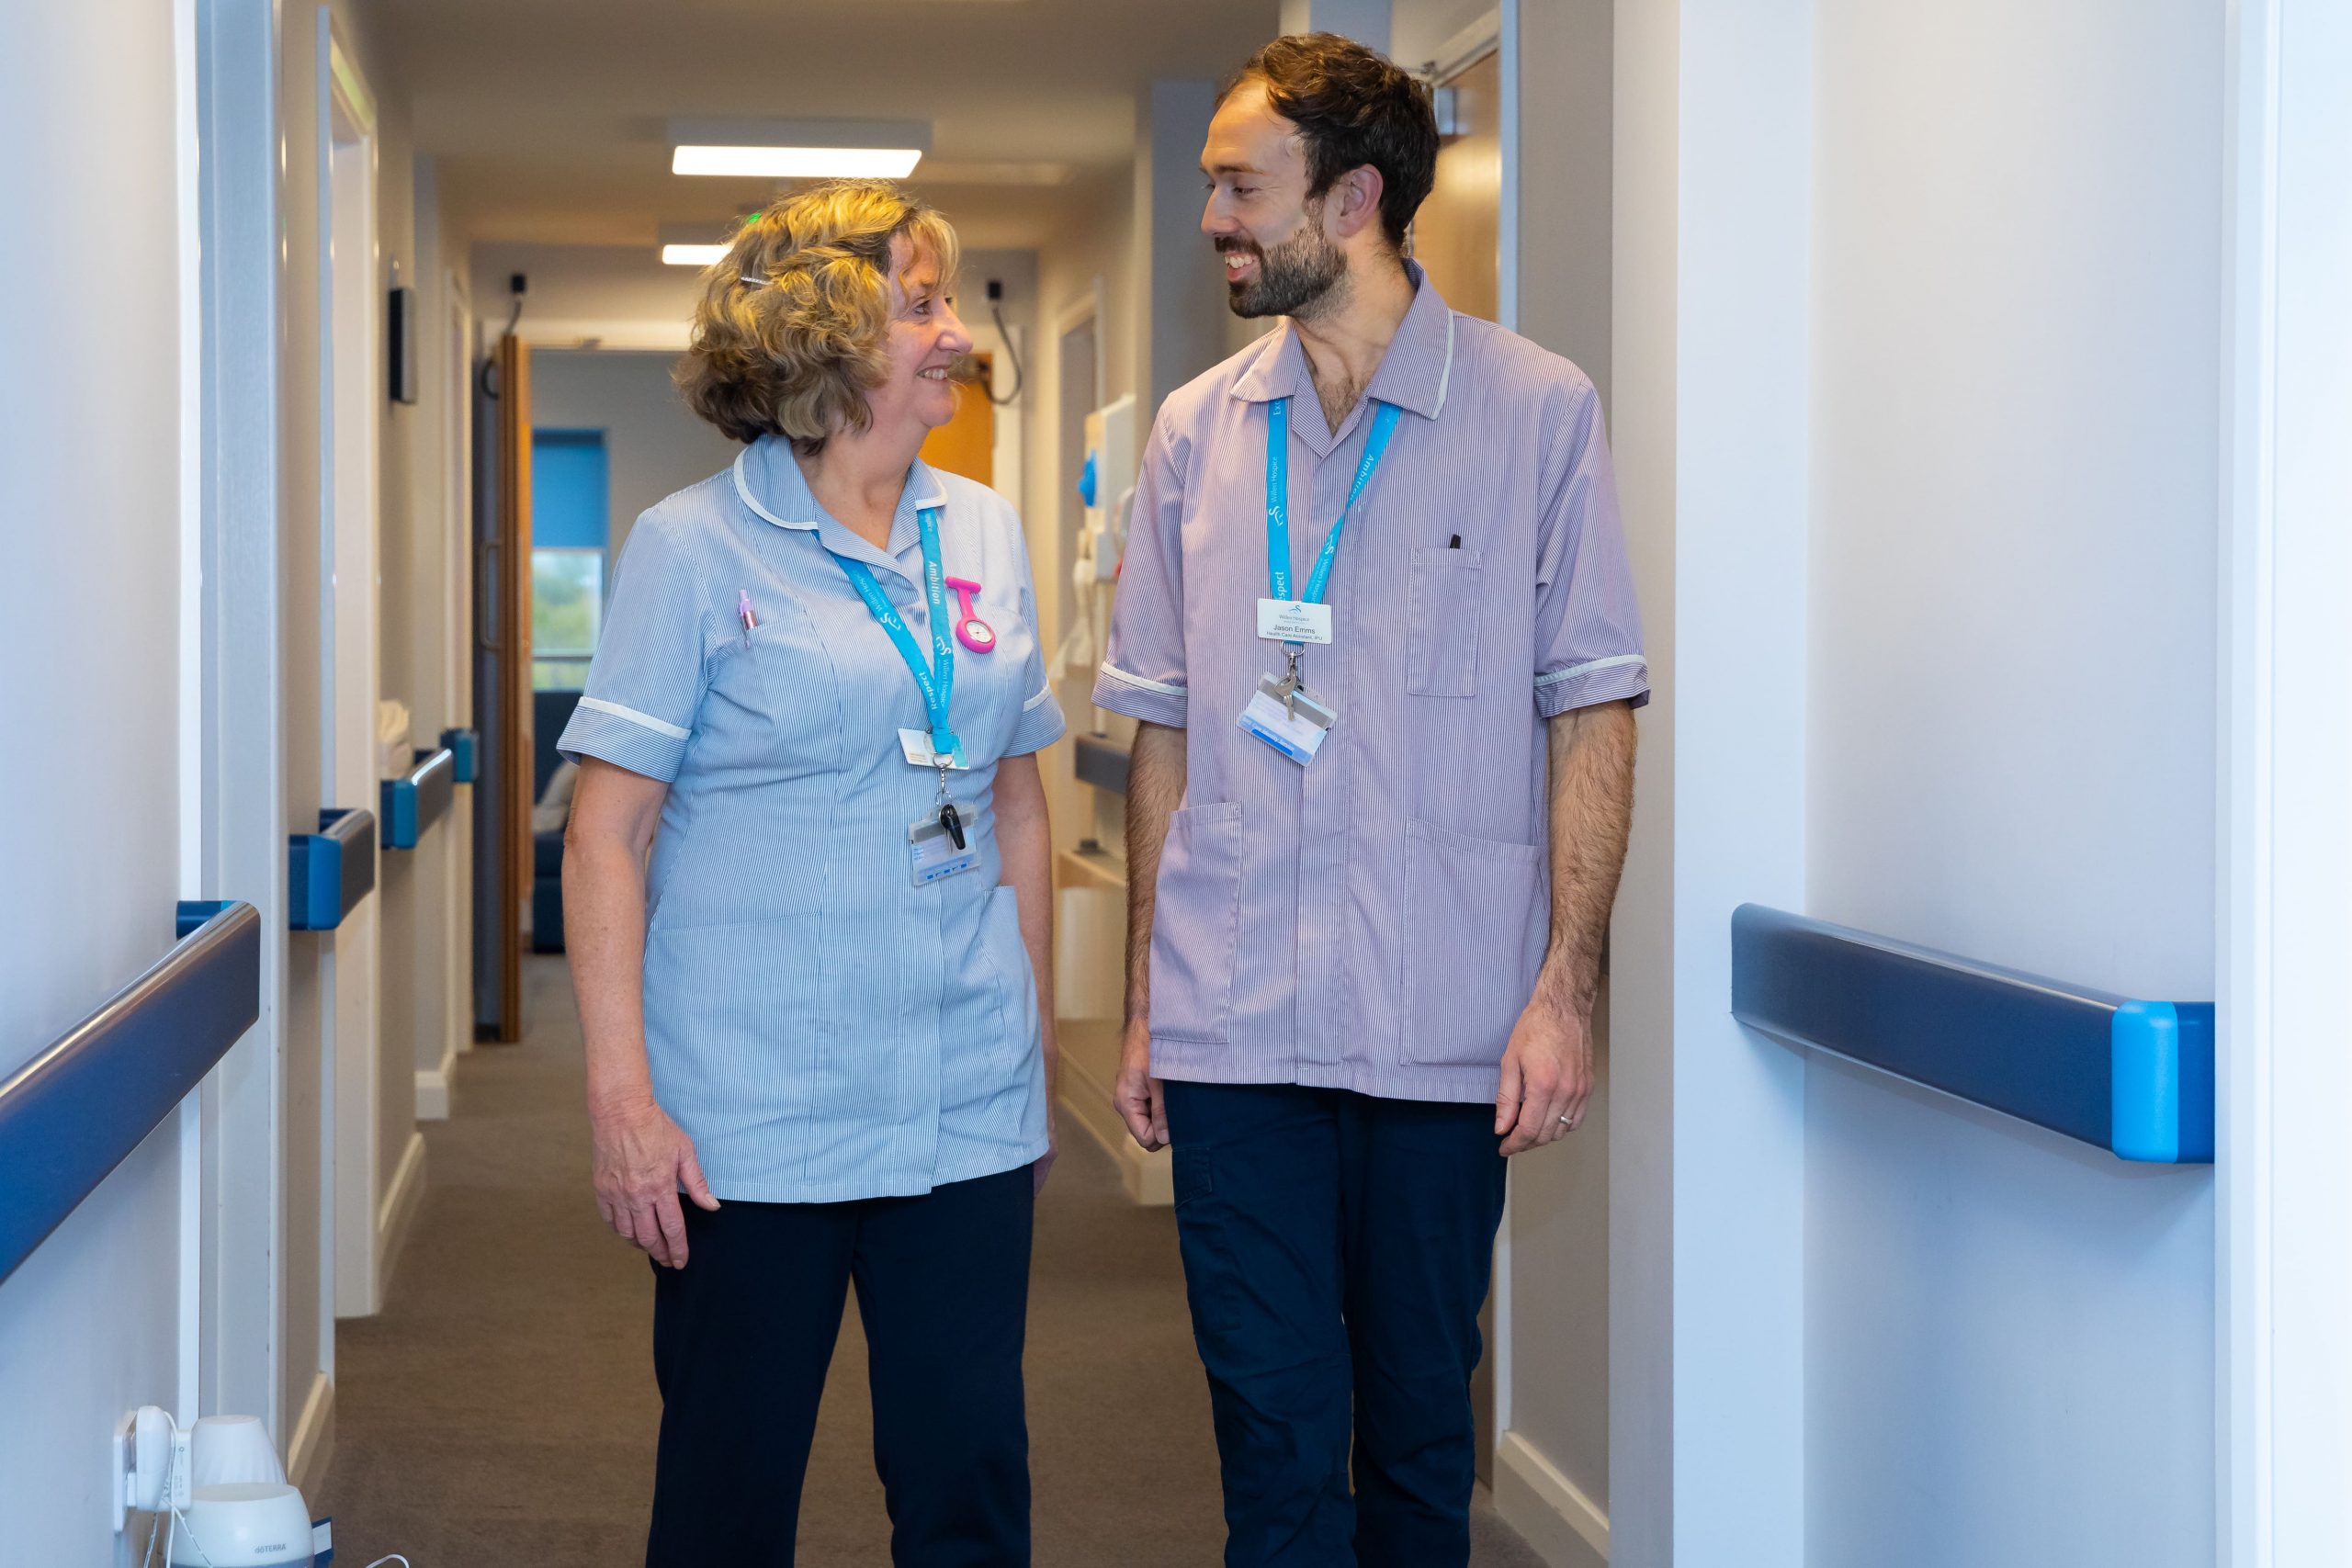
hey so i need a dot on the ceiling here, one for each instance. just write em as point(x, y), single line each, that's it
point(546, 118)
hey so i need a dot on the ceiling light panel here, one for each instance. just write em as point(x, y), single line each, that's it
point(798, 149)
point(797, 163)
point(691, 255)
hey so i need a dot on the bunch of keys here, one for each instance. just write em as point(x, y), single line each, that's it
point(1286, 690)
point(948, 818)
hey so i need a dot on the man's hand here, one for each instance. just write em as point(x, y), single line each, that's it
point(642, 1159)
point(1138, 1094)
point(1043, 1166)
point(1547, 1076)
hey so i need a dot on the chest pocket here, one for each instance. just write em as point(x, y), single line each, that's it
point(781, 689)
point(1444, 590)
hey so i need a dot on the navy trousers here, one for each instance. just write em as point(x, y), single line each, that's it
point(743, 1336)
point(1336, 1249)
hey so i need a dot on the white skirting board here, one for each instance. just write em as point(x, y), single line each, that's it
point(312, 1445)
point(433, 1087)
point(398, 1212)
point(1543, 1506)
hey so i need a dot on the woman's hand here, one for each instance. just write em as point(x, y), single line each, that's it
point(642, 1159)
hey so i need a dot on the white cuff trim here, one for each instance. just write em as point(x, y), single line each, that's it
point(1040, 700)
point(647, 719)
point(1588, 668)
point(1116, 674)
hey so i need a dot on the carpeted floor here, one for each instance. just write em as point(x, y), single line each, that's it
point(500, 1412)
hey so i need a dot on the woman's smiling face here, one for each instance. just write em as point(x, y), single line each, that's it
point(926, 340)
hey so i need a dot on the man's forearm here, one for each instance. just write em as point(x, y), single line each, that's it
point(1591, 806)
point(1155, 789)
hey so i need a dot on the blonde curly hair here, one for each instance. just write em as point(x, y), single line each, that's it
point(791, 332)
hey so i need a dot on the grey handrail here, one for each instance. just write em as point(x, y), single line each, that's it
point(69, 1116)
point(2132, 1076)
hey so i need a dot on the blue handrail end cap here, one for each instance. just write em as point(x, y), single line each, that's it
point(315, 883)
point(464, 745)
point(2161, 1067)
point(396, 816)
point(194, 913)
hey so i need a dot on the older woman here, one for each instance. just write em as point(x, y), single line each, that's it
point(822, 1011)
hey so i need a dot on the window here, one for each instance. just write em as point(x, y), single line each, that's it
point(569, 506)
point(567, 611)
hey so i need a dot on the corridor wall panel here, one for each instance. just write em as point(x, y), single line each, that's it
point(2010, 704)
point(89, 665)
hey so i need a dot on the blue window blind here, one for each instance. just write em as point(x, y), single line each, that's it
point(569, 490)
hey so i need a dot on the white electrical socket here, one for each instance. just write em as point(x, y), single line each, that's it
point(151, 1464)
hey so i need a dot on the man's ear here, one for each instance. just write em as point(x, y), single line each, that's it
point(1352, 202)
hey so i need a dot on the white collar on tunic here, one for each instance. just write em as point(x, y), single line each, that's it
point(789, 503)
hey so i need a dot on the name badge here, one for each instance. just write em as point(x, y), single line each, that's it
point(916, 744)
point(1294, 620)
point(1294, 725)
point(933, 855)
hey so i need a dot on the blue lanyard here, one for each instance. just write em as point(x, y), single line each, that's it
point(1383, 424)
point(936, 681)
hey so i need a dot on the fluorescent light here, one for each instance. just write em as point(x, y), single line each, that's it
point(798, 162)
point(691, 255)
point(798, 149)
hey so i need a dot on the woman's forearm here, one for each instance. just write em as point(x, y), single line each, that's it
point(603, 927)
point(1025, 840)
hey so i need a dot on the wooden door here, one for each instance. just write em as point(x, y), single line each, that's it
point(503, 702)
point(966, 444)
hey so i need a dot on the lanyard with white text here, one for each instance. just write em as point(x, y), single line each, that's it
point(1383, 424)
point(937, 680)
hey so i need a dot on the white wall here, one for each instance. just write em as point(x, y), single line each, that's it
point(654, 443)
point(2011, 754)
point(1418, 29)
point(585, 296)
point(89, 635)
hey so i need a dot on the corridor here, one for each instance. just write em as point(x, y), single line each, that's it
point(502, 1409)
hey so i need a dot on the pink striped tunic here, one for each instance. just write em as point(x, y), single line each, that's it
point(1375, 920)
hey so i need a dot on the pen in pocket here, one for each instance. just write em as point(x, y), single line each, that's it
point(743, 612)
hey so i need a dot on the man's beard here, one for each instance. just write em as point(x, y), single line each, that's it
point(1296, 278)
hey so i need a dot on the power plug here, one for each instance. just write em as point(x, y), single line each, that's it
point(151, 1465)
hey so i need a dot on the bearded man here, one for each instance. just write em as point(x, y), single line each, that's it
point(1376, 812)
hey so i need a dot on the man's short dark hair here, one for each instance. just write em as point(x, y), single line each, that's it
point(1352, 108)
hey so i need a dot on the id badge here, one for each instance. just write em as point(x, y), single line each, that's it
point(1294, 620)
point(916, 744)
point(1295, 728)
point(934, 854)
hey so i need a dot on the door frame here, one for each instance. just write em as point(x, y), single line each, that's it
point(2283, 1221)
point(349, 492)
point(458, 697)
point(237, 794)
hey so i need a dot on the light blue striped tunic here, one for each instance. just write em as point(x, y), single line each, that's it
point(823, 1028)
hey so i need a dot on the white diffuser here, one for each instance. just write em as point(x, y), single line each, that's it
point(245, 1524)
point(226, 1449)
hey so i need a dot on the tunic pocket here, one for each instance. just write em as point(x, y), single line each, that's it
point(1474, 940)
point(1196, 924)
point(1015, 980)
point(1444, 592)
